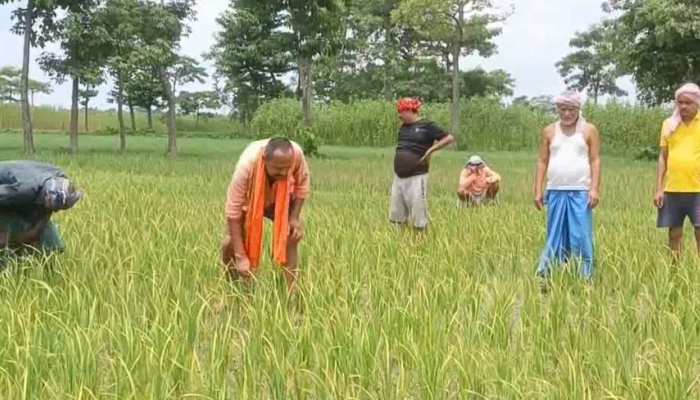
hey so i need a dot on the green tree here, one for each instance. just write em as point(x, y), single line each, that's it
point(373, 43)
point(38, 87)
point(428, 80)
point(144, 89)
point(193, 103)
point(36, 23)
point(187, 70)
point(542, 103)
point(316, 29)
point(658, 43)
point(145, 37)
point(251, 54)
point(163, 25)
point(379, 58)
point(451, 29)
point(121, 20)
point(592, 66)
point(84, 44)
point(11, 85)
point(424, 78)
point(10, 78)
point(480, 83)
point(86, 94)
point(375, 54)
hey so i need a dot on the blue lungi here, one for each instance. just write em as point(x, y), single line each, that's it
point(569, 231)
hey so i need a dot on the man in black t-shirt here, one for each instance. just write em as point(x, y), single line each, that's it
point(418, 140)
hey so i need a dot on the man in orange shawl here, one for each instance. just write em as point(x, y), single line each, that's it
point(271, 180)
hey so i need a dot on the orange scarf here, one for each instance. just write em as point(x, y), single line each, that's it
point(255, 215)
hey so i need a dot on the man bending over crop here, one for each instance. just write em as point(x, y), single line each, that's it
point(271, 180)
point(30, 193)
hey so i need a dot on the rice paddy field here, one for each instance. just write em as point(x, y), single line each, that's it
point(138, 308)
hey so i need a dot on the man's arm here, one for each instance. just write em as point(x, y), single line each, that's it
point(439, 145)
point(296, 226)
point(235, 231)
point(295, 209)
point(542, 163)
point(492, 176)
point(661, 169)
point(235, 215)
point(302, 190)
point(465, 179)
point(594, 159)
point(33, 234)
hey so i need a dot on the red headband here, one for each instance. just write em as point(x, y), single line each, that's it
point(408, 104)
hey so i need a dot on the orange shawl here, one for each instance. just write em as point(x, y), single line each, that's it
point(255, 215)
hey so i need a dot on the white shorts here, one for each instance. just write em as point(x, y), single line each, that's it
point(409, 201)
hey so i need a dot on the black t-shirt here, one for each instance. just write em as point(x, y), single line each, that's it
point(414, 141)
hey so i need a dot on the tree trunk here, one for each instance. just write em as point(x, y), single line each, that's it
point(87, 100)
point(120, 116)
point(596, 93)
point(455, 90)
point(306, 88)
point(131, 115)
point(149, 114)
point(456, 81)
point(196, 121)
point(26, 113)
point(172, 127)
point(74, 115)
point(387, 51)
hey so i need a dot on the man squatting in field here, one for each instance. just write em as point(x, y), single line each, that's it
point(271, 180)
point(678, 172)
point(478, 184)
point(418, 140)
point(569, 157)
point(30, 193)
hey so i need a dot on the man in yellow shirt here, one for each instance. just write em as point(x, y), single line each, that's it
point(678, 173)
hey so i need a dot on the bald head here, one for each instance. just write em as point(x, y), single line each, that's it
point(278, 144)
point(279, 158)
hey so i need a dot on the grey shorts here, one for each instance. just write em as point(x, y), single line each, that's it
point(678, 206)
point(409, 201)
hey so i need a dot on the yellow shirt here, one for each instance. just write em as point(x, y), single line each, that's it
point(683, 166)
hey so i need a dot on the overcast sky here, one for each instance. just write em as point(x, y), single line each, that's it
point(534, 38)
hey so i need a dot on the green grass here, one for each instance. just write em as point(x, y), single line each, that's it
point(138, 307)
point(486, 123)
point(53, 119)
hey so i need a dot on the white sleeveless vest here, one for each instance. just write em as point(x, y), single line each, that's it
point(569, 163)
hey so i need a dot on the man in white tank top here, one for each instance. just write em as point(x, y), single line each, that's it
point(569, 162)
